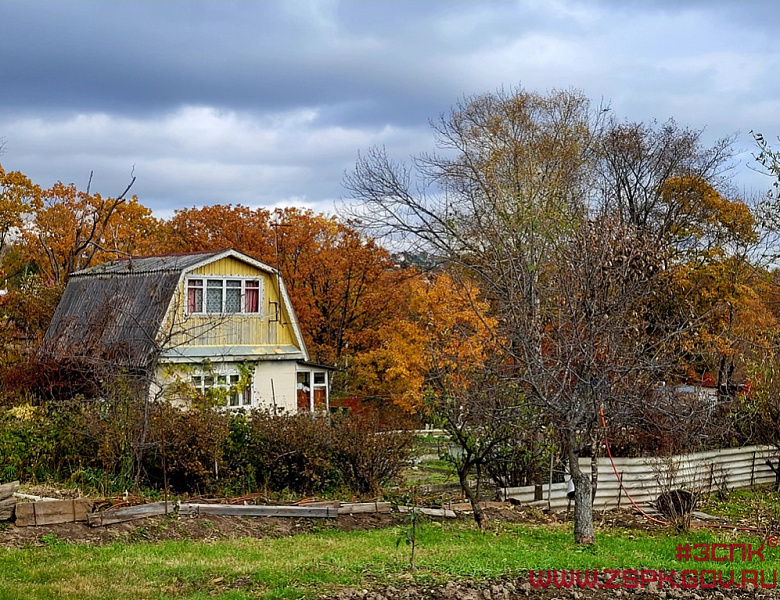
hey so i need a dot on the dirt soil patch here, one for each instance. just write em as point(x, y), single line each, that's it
point(520, 589)
point(217, 527)
point(178, 527)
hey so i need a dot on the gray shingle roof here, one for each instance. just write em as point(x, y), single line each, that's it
point(148, 264)
point(112, 313)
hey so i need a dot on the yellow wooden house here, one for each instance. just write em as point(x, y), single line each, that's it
point(219, 321)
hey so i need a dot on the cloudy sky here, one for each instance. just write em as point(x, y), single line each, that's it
point(266, 103)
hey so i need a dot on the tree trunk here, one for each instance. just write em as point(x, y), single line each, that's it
point(594, 467)
point(473, 498)
point(583, 500)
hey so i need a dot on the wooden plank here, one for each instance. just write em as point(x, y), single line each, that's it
point(130, 513)
point(365, 508)
point(7, 489)
point(7, 508)
point(431, 512)
point(52, 512)
point(258, 511)
point(33, 498)
point(320, 503)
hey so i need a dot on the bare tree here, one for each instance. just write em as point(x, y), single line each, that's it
point(480, 417)
point(517, 202)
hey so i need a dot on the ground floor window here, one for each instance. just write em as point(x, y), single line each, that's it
point(312, 391)
point(227, 386)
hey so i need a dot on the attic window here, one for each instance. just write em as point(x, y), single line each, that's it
point(223, 296)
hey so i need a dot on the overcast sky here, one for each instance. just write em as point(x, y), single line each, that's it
point(267, 103)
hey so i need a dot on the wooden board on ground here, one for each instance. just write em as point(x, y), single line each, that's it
point(319, 503)
point(130, 513)
point(258, 511)
point(365, 508)
point(431, 512)
point(33, 497)
point(8, 489)
point(52, 512)
point(7, 508)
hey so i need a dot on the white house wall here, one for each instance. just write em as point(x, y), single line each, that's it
point(282, 373)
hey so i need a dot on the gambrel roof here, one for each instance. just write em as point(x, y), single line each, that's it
point(114, 312)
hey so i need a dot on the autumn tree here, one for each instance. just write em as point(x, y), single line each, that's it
point(217, 227)
point(661, 178)
point(442, 329)
point(506, 190)
point(71, 229)
point(17, 195)
point(520, 201)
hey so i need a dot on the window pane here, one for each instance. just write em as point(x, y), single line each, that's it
point(197, 380)
point(195, 296)
point(252, 297)
point(208, 381)
point(233, 297)
point(214, 296)
point(234, 400)
point(319, 399)
point(221, 379)
point(319, 378)
point(234, 379)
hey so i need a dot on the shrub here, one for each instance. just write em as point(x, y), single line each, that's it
point(124, 441)
point(368, 454)
point(292, 453)
point(185, 447)
point(27, 446)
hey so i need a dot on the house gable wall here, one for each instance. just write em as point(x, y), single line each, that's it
point(268, 334)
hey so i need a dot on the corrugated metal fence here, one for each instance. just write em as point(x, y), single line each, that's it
point(646, 478)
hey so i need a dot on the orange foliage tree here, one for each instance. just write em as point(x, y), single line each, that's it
point(17, 194)
point(71, 230)
point(445, 333)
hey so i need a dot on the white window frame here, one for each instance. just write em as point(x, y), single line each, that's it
point(204, 287)
point(312, 386)
point(229, 379)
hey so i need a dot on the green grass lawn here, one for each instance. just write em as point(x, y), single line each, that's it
point(430, 472)
point(759, 505)
point(308, 565)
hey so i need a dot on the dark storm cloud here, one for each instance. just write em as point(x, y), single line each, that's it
point(269, 102)
point(145, 57)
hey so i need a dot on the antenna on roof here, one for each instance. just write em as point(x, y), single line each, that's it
point(276, 223)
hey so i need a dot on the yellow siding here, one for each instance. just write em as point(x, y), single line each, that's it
point(263, 329)
point(227, 267)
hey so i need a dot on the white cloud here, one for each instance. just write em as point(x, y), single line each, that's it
point(197, 155)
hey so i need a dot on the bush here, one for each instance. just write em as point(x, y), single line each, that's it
point(185, 448)
point(292, 453)
point(27, 446)
point(368, 454)
point(122, 442)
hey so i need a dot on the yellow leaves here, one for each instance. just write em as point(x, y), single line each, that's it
point(17, 194)
point(708, 211)
point(23, 412)
point(730, 299)
point(446, 332)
